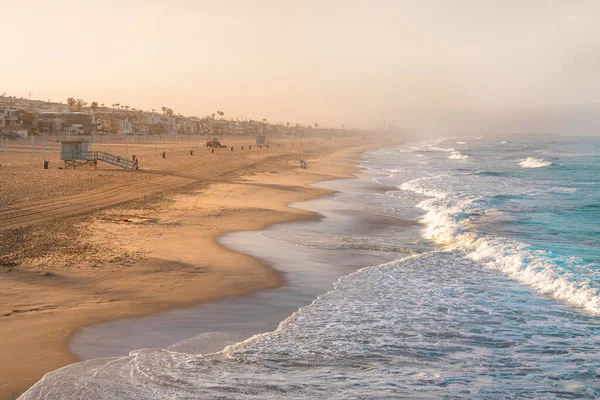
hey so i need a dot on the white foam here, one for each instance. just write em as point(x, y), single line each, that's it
point(448, 150)
point(532, 162)
point(447, 223)
point(456, 155)
point(461, 142)
point(409, 326)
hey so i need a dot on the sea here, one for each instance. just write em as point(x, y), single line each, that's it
point(487, 286)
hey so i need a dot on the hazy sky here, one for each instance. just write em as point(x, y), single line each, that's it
point(331, 62)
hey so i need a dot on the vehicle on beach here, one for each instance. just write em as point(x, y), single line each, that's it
point(215, 144)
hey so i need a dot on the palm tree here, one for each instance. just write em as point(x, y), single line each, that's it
point(72, 103)
point(94, 106)
point(80, 104)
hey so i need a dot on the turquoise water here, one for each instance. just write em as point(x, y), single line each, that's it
point(500, 301)
point(528, 206)
point(566, 224)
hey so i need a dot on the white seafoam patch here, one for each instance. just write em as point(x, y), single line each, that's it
point(408, 328)
point(533, 162)
point(447, 224)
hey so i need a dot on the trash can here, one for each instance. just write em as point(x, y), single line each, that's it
point(46, 163)
point(164, 155)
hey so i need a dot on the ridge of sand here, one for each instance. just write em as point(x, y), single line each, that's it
point(89, 258)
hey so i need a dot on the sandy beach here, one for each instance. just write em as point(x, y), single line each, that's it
point(85, 246)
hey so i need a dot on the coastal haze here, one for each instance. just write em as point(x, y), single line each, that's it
point(299, 199)
point(334, 62)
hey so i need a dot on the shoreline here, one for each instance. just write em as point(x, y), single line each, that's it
point(262, 276)
point(308, 270)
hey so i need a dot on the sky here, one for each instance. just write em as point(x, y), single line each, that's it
point(333, 62)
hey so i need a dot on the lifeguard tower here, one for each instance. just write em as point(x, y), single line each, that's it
point(77, 152)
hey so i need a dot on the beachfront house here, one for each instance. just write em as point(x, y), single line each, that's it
point(60, 122)
point(8, 117)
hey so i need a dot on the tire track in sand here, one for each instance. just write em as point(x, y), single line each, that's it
point(83, 203)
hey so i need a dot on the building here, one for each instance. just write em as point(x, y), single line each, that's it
point(60, 122)
point(9, 117)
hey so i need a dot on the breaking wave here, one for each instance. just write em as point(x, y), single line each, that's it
point(411, 328)
point(532, 162)
point(456, 155)
point(448, 220)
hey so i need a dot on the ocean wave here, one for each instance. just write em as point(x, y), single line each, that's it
point(389, 331)
point(447, 222)
point(490, 173)
point(456, 155)
point(447, 150)
point(533, 162)
point(461, 142)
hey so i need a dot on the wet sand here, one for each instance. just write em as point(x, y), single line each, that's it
point(309, 269)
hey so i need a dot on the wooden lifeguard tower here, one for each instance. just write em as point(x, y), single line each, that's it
point(76, 152)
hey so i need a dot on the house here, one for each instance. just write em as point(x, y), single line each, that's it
point(59, 122)
point(124, 126)
point(9, 117)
